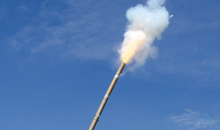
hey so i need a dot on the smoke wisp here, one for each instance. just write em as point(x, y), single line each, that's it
point(145, 24)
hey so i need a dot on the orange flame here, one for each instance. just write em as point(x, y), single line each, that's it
point(127, 55)
point(132, 44)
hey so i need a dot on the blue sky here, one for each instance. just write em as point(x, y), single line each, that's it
point(57, 59)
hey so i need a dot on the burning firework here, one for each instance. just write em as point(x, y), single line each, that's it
point(145, 24)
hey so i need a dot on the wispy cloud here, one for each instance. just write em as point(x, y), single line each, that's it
point(3, 13)
point(194, 120)
point(22, 8)
point(68, 28)
point(18, 122)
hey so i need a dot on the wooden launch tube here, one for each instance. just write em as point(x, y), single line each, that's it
point(105, 99)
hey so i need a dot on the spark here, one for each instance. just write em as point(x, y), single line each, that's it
point(171, 16)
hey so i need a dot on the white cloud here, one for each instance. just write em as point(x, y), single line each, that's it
point(194, 120)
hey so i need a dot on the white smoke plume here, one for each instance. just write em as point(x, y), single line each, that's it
point(145, 23)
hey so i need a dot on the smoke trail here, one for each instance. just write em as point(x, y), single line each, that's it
point(145, 24)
